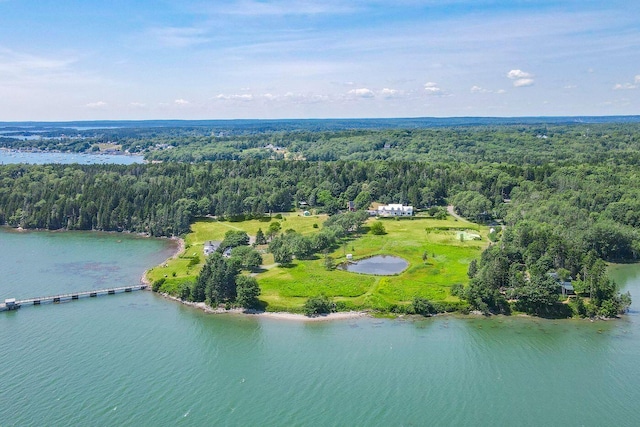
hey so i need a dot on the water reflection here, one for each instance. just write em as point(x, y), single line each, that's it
point(383, 265)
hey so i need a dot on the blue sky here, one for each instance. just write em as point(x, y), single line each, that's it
point(196, 59)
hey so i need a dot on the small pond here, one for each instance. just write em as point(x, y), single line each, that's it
point(383, 265)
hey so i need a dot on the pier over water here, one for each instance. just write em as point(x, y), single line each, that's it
point(14, 304)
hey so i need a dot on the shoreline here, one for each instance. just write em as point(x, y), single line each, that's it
point(179, 249)
point(279, 315)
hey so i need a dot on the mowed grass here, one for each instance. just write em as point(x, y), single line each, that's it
point(286, 288)
point(182, 269)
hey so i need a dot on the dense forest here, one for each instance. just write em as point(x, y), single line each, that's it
point(569, 195)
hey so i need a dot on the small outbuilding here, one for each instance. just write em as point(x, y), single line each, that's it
point(567, 289)
point(210, 247)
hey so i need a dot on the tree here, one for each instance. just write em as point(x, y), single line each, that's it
point(234, 238)
point(247, 257)
point(473, 269)
point(328, 262)
point(218, 278)
point(377, 228)
point(538, 295)
point(248, 292)
point(281, 250)
point(273, 229)
point(260, 238)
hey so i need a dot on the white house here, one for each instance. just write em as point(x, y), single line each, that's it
point(396, 209)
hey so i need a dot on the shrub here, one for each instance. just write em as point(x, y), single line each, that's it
point(194, 261)
point(377, 228)
point(155, 287)
point(320, 304)
point(423, 306)
point(457, 290)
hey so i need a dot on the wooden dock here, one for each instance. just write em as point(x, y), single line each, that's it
point(70, 296)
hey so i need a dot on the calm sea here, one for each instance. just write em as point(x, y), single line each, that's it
point(137, 359)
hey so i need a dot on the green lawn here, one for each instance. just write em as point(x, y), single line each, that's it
point(287, 288)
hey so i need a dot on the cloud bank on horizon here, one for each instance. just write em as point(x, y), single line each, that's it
point(193, 59)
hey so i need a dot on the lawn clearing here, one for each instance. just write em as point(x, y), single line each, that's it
point(437, 259)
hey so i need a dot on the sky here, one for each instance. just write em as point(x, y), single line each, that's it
point(268, 59)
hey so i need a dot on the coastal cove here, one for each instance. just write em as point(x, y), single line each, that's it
point(140, 359)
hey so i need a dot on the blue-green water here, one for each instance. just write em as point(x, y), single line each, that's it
point(137, 359)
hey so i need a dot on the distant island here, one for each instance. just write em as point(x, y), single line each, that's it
point(508, 215)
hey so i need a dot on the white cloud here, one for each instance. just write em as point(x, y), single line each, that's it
point(362, 93)
point(521, 78)
point(181, 102)
point(137, 104)
point(518, 74)
point(390, 93)
point(523, 82)
point(628, 86)
point(432, 88)
point(282, 8)
point(180, 36)
point(235, 97)
point(98, 104)
point(479, 89)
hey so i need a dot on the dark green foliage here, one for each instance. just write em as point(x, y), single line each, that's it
point(247, 257)
point(320, 304)
point(156, 285)
point(473, 205)
point(184, 292)
point(260, 238)
point(234, 238)
point(457, 290)
point(281, 249)
point(473, 269)
point(538, 295)
point(247, 292)
point(423, 307)
point(217, 279)
point(328, 263)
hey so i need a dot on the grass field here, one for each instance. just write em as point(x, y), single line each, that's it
point(287, 288)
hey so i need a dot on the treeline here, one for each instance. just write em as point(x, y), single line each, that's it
point(162, 199)
point(518, 144)
point(527, 143)
point(590, 207)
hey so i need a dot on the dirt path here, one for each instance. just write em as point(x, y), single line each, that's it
point(453, 213)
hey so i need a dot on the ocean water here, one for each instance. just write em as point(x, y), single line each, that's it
point(138, 359)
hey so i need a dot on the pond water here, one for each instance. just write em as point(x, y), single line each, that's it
point(383, 265)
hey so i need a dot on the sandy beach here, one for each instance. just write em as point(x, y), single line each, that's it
point(344, 315)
